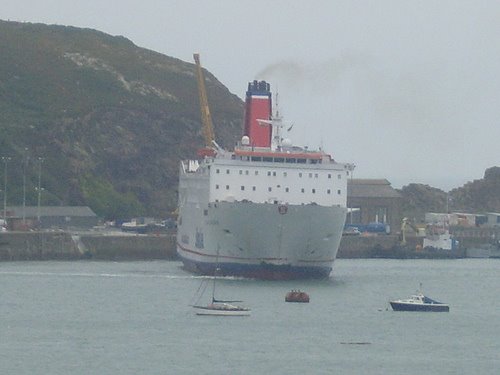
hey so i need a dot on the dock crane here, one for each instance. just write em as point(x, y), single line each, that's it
point(404, 227)
point(208, 128)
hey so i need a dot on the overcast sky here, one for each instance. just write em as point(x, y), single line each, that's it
point(406, 90)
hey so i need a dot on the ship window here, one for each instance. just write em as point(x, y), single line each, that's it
point(256, 173)
point(340, 177)
point(246, 172)
point(284, 174)
point(241, 172)
point(227, 171)
point(217, 170)
point(274, 173)
point(253, 188)
point(302, 190)
point(216, 186)
point(256, 158)
point(328, 191)
point(315, 175)
point(269, 189)
point(301, 161)
point(310, 175)
point(287, 190)
point(329, 175)
point(267, 159)
point(269, 173)
point(227, 187)
point(313, 161)
point(290, 160)
point(339, 192)
point(347, 173)
point(242, 188)
point(313, 191)
point(205, 212)
point(300, 174)
point(279, 160)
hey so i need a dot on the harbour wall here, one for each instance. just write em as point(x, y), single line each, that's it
point(119, 246)
point(85, 245)
point(389, 246)
point(365, 246)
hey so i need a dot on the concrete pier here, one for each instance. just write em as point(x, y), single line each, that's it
point(85, 245)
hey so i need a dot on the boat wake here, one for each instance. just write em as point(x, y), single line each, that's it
point(104, 275)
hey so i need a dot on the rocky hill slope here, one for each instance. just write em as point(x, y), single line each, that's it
point(110, 120)
point(477, 196)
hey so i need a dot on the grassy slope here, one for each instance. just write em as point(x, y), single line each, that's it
point(110, 119)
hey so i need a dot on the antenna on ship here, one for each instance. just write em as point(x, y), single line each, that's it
point(277, 125)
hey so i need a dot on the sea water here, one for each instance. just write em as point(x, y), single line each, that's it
point(134, 318)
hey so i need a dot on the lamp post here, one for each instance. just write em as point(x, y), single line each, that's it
point(25, 162)
point(40, 161)
point(5, 160)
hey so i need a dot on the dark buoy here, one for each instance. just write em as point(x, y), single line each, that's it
point(297, 296)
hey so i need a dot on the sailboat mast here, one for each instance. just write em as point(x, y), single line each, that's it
point(215, 273)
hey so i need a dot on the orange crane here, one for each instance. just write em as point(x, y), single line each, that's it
point(208, 128)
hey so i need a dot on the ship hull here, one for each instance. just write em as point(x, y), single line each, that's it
point(262, 241)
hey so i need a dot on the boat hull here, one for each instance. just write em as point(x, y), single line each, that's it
point(398, 306)
point(222, 310)
point(262, 241)
point(221, 313)
point(297, 296)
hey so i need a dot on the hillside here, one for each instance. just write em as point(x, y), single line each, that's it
point(111, 120)
point(478, 196)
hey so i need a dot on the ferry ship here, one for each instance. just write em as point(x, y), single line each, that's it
point(266, 210)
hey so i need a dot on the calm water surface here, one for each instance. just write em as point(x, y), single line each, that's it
point(134, 318)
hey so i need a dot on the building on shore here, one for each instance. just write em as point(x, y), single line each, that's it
point(493, 219)
point(50, 217)
point(373, 201)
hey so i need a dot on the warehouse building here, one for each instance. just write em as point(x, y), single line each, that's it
point(372, 201)
point(50, 217)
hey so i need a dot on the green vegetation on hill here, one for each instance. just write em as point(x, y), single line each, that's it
point(111, 120)
point(479, 196)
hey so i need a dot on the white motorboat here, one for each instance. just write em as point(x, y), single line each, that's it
point(419, 302)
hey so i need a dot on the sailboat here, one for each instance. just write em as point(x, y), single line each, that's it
point(220, 307)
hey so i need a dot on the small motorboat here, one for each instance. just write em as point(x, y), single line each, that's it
point(419, 302)
point(297, 296)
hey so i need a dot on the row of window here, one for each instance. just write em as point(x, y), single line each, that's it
point(268, 159)
point(287, 190)
point(285, 174)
